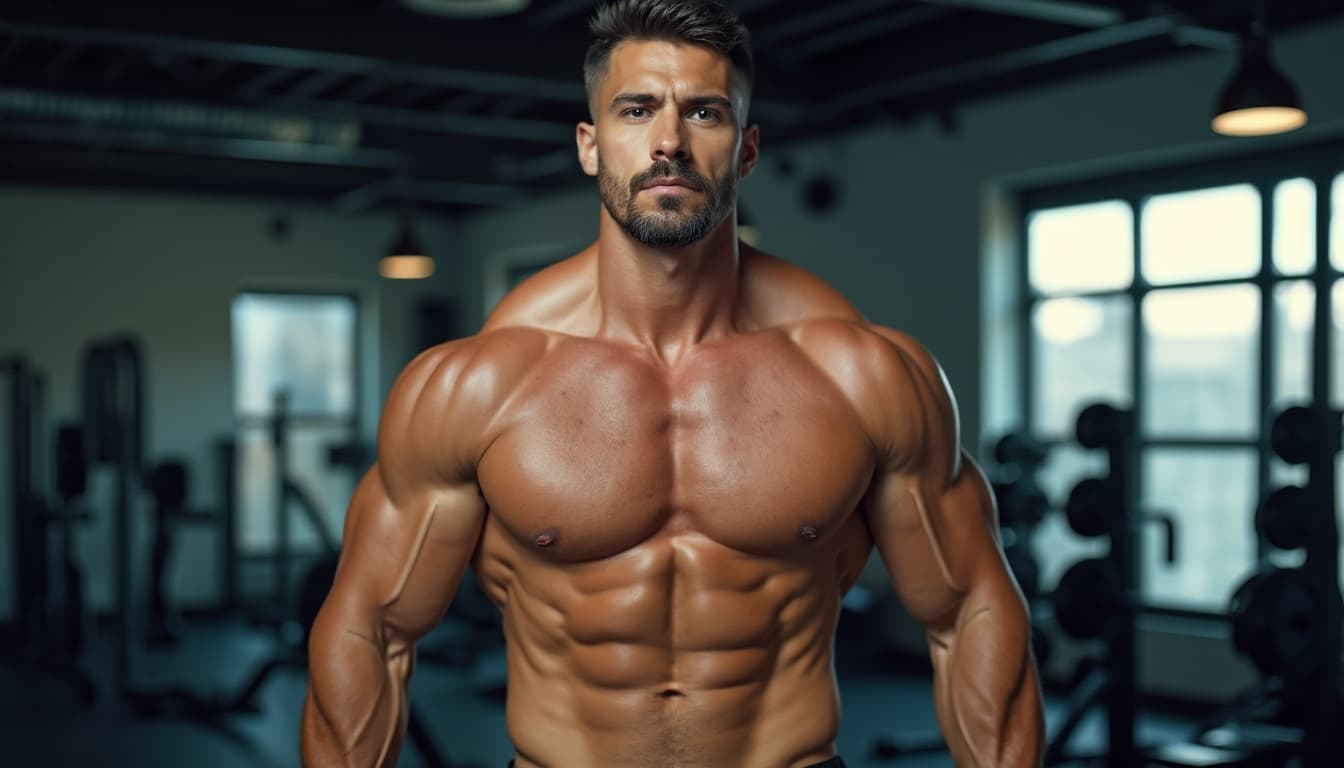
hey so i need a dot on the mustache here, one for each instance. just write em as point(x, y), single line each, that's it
point(664, 169)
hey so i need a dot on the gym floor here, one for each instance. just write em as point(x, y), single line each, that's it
point(41, 725)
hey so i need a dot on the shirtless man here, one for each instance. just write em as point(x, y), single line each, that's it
point(667, 458)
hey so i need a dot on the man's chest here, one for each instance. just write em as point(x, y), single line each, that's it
point(750, 445)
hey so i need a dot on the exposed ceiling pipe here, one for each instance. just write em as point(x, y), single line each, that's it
point(90, 112)
point(997, 65)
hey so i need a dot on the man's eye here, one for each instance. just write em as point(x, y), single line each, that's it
point(706, 114)
point(636, 112)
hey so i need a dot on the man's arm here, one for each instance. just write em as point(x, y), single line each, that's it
point(410, 532)
point(935, 525)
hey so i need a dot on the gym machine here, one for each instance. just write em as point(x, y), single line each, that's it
point(49, 603)
point(1097, 598)
point(113, 392)
point(317, 577)
point(288, 492)
point(1287, 621)
point(28, 540)
point(114, 420)
point(167, 483)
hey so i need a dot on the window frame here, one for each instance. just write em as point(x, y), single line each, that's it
point(1321, 163)
point(305, 419)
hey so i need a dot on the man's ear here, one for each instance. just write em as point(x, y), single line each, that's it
point(585, 136)
point(751, 151)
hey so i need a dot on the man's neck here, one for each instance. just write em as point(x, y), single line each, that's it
point(666, 299)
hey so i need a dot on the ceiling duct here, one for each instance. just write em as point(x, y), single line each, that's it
point(182, 118)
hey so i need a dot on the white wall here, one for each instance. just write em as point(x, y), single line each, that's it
point(79, 265)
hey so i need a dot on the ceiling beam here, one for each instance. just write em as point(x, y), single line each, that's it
point(568, 91)
point(144, 139)
point(401, 189)
point(1095, 16)
point(823, 16)
point(302, 59)
point(900, 19)
point(998, 65)
point(1070, 12)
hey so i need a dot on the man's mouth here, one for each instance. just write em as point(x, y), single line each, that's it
point(669, 184)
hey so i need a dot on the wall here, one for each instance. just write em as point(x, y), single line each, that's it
point(77, 265)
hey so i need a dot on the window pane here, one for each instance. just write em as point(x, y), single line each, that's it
point(1055, 544)
point(1337, 222)
point(1211, 495)
point(1295, 226)
point(329, 488)
point(302, 344)
point(1201, 235)
point(1201, 377)
point(1294, 318)
point(1081, 247)
point(1082, 353)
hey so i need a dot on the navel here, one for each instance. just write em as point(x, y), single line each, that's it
point(547, 537)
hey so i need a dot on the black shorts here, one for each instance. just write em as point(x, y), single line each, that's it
point(834, 762)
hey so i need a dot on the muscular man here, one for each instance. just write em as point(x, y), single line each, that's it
point(667, 458)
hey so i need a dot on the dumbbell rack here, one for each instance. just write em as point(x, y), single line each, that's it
point(1112, 584)
point(1287, 621)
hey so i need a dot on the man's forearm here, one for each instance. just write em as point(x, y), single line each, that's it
point(356, 708)
point(986, 690)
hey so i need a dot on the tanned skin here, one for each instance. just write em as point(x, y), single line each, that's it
point(667, 466)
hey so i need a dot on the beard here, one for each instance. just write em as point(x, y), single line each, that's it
point(671, 225)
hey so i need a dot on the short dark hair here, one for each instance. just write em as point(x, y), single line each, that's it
point(698, 22)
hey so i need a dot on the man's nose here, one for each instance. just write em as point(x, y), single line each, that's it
point(669, 141)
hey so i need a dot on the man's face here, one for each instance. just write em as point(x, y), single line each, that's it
point(666, 143)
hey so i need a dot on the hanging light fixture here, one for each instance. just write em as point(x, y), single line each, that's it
point(406, 259)
point(1259, 100)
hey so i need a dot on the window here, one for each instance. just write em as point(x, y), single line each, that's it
point(302, 345)
point(1189, 295)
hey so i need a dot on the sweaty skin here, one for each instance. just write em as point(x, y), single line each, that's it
point(666, 470)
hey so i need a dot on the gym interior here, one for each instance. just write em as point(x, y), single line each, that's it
point(226, 226)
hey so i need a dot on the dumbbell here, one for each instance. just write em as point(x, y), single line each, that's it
point(1275, 617)
point(1298, 431)
point(1020, 500)
point(1284, 517)
point(1020, 449)
point(1094, 504)
point(1277, 614)
point(1100, 425)
point(1089, 598)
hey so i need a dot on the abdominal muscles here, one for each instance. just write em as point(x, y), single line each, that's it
point(678, 652)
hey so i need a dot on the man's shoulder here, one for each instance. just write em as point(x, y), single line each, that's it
point(777, 292)
point(874, 348)
point(547, 300)
point(471, 373)
point(894, 384)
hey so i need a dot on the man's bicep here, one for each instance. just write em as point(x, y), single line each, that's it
point(401, 562)
point(938, 541)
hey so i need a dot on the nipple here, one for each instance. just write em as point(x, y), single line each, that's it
point(547, 538)
point(809, 533)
